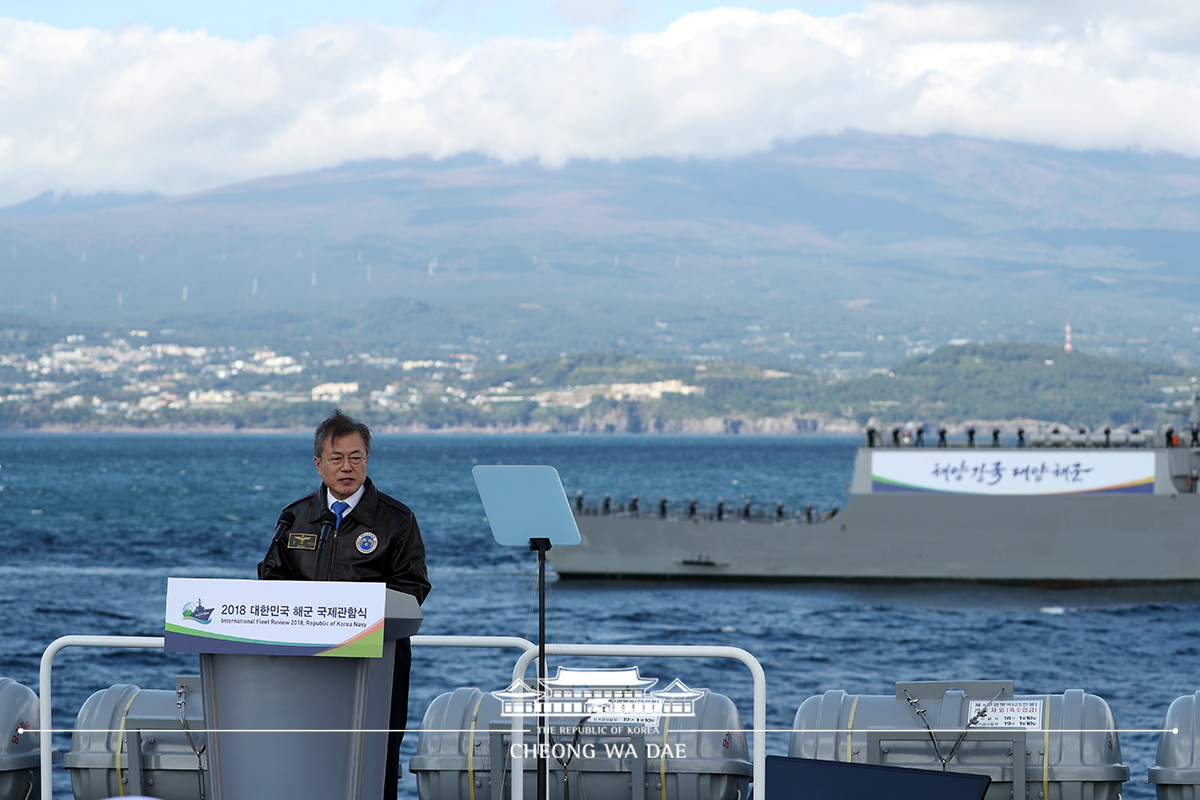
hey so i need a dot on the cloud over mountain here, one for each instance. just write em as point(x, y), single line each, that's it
point(142, 110)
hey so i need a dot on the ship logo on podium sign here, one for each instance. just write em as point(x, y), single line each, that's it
point(196, 612)
point(603, 695)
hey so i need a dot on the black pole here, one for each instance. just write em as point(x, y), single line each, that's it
point(541, 546)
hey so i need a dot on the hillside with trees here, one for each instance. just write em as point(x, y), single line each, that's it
point(1004, 381)
point(952, 385)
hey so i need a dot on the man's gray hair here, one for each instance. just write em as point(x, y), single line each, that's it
point(339, 424)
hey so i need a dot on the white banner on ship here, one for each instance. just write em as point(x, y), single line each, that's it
point(1031, 472)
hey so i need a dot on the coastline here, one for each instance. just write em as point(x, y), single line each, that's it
point(732, 425)
point(728, 425)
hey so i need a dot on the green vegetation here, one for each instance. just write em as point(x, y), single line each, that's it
point(953, 384)
point(583, 370)
point(1008, 381)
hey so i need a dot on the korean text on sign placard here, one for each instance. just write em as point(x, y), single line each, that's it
point(994, 472)
point(1008, 713)
point(1013, 472)
point(275, 617)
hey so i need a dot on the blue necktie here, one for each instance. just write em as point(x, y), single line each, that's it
point(339, 508)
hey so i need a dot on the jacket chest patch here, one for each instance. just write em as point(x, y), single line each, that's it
point(366, 542)
point(302, 541)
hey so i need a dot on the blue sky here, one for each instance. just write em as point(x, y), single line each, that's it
point(461, 20)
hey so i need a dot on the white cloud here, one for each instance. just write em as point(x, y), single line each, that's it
point(85, 110)
point(594, 12)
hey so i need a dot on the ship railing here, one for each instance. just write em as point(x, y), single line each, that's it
point(1049, 441)
point(678, 512)
point(530, 651)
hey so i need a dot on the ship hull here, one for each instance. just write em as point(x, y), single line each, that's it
point(1061, 538)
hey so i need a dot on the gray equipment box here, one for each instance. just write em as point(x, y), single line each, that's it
point(148, 723)
point(464, 741)
point(20, 776)
point(1176, 770)
point(1066, 743)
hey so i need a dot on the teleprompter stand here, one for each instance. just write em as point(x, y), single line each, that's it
point(541, 545)
point(526, 505)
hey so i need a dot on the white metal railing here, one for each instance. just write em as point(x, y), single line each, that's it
point(502, 642)
point(156, 643)
point(47, 748)
point(758, 757)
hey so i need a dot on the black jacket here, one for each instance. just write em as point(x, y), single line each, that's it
point(377, 542)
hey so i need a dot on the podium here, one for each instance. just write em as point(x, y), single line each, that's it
point(283, 726)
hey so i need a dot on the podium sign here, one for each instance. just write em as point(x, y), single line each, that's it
point(298, 618)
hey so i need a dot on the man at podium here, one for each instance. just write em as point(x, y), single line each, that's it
point(367, 536)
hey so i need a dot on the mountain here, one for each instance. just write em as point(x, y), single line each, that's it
point(840, 253)
point(51, 203)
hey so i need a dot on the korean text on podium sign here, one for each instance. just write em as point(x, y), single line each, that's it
point(301, 618)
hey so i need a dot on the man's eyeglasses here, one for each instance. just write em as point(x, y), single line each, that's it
point(337, 461)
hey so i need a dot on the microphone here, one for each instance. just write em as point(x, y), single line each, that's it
point(286, 520)
point(328, 523)
point(275, 553)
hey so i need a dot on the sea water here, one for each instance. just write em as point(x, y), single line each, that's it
point(94, 524)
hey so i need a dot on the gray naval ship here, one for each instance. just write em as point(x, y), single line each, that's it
point(1061, 508)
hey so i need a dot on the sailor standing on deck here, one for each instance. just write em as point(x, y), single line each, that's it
point(376, 539)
